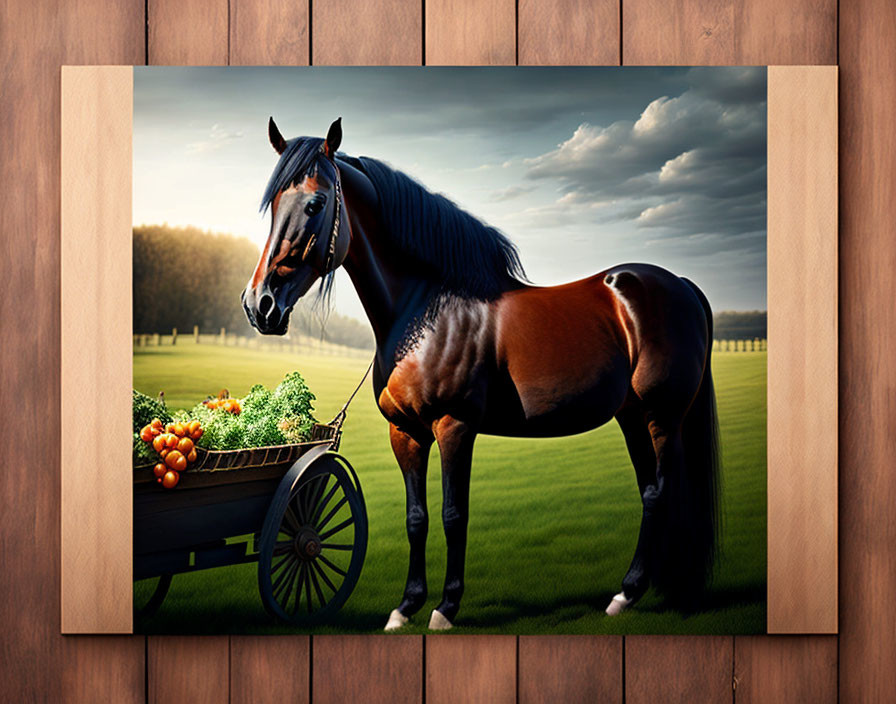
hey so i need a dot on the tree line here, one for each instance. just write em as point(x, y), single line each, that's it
point(184, 276)
point(740, 325)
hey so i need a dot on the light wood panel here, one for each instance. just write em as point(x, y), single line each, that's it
point(752, 32)
point(802, 359)
point(470, 32)
point(270, 669)
point(380, 32)
point(189, 669)
point(568, 32)
point(569, 669)
point(471, 669)
point(96, 349)
point(867, 342)
point(191, 32)
point(678, 669)
point(785, 669)
point(371, 669)
point(269, 32)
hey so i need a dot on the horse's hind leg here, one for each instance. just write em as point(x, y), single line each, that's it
point(412, 457)
point(640, 448)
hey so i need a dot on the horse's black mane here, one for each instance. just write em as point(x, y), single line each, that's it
point(468, 258)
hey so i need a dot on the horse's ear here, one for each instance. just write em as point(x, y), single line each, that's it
point(334, 138)
point(277, 140)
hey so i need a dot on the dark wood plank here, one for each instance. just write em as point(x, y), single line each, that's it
point(785, 669)
point(568, 32)
point(867, 340)
point(678, 669)
point(470, 32)
point(188, 32)
point(104, 668)
point(685, 32)
point(36, 38)
point(270, 669)
point(192, 669)
point(368, 669)
point(471, 669)
point(569, 669)
point(269, 32)
point(383, 32)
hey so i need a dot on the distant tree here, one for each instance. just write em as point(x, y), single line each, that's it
point(740, 325)
point(184, 276)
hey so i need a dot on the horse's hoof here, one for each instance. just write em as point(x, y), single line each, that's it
point(618, 604)
point(396, 620)
point(438, 622)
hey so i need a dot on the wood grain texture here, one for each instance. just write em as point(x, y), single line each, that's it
point(785, 669)
point(36, 39)
point(189, 32)
point(867, 341)
point(470, 32)
point(103, 669)
point(383, 32)
point(268, 32)
point(270, 669)
point(678, 669)
point(802, 370)
point(471, 669)
point(189, 669)
point(383, 669)
point(568, 32)
point(569, 669)
point(96, 345)
point(685, 32)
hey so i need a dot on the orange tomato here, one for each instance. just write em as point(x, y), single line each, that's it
point(146, 434)
point(159, 470)
point(155, 431)
point(191, 458)
point(192, 427)
point(179, 429)
point(164, 452)
point(170, 440)
point(228, 406)
point(158, 443)
point(184, 445)
point(170, 480)
point(176, 460)
point(169, 428)
point(198, 434)
point(156, 423)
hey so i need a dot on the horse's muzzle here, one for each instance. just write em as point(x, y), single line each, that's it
point(264, 313)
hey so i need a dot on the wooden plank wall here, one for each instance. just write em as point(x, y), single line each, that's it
point(38, 664)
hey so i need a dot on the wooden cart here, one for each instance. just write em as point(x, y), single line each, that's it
point(298, 510)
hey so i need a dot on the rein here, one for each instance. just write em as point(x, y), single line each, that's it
point(339, 418)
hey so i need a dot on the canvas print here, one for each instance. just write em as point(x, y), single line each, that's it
point(478, 350)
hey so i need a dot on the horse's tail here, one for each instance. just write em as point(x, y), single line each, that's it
point(692, 501)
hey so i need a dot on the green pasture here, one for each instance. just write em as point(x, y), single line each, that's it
point(553, 522)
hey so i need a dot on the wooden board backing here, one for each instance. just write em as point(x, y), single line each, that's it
point(867, 344)
point(96, 359)
point(802, 356)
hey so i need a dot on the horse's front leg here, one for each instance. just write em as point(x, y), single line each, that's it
point(455, 440)
point(412, 456)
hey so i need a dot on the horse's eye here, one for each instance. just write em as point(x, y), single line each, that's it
point(315, 205)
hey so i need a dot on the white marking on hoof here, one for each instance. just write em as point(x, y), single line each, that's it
point(438, 622)
point(396, 620)
point(618, 604)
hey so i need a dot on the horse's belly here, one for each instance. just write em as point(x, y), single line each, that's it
point(554, 405)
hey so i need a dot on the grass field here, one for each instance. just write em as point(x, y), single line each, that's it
point(553, 523)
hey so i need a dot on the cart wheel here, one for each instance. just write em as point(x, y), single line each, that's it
point(150, 606)
point(314, 540)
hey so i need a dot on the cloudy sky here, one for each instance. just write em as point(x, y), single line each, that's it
point(582, 168)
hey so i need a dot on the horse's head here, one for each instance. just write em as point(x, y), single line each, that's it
point(310, 232)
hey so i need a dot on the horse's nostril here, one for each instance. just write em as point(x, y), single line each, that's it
point(265, 303)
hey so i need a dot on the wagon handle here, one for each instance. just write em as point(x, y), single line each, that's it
point(339, 418)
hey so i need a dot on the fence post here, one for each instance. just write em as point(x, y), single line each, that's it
point(223, 336)
point(196, 334)
point(173, 336)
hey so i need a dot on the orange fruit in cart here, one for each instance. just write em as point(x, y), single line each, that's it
point(146, 434)
point(195, 429)
point(184, 445)
point(158, 443)
point(157, 424)
point(179, 429)
point(160, 470)
point(170, 440)
point(176, 460)
point(191, 458)
point(170, 480)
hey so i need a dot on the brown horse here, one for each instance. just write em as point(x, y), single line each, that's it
point(465, 346)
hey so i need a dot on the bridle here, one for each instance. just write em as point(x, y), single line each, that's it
point(334, 232)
